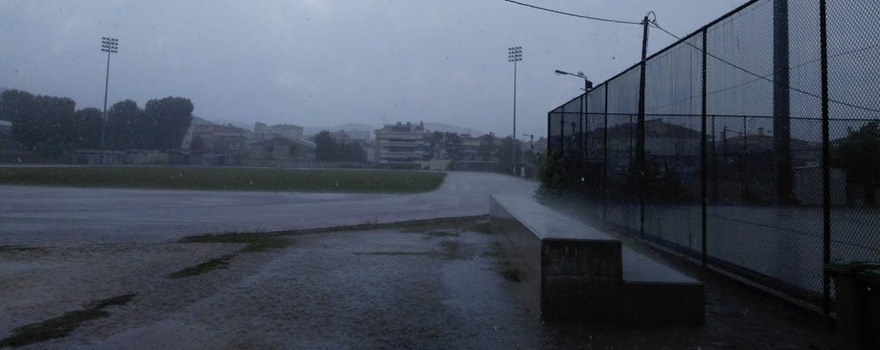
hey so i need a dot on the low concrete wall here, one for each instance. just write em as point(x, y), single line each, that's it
point(569, 270)
point(562, 277)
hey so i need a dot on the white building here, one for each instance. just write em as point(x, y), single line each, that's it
point(401, 145)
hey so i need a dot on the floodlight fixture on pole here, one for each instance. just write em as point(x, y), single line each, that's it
point(514, 54)
point(108, 45)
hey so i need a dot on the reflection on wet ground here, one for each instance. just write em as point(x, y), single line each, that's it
point(438, 285)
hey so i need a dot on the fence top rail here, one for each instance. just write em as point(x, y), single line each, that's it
point(569, 101)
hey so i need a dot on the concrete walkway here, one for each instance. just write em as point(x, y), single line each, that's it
point(53, 216)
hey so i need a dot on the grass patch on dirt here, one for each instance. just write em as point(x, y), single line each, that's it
point(494, 251)
point(246, 179)
point(452, 250)
point(207, 266)
point(436, 234)
point(483, 226)
point(113, 301)
point(504, 267)
point(397, 253)
point(511, 273)
point(16, 248)
point(256, 242)
point(415, 226)
point(63, 325)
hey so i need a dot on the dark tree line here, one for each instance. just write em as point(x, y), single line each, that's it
point(160, 125)
point(507, 153)
point(859, 154)
point(52, 125)
point(448, 144)
point(328, 149)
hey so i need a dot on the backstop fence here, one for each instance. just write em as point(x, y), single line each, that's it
point(755, 148)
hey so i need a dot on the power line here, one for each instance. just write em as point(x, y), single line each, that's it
point(765, 77)
point(573, 14)
point(744, 70)
point(761, 77)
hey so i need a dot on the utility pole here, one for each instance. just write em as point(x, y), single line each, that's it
point(640, 129)
point(531, 142)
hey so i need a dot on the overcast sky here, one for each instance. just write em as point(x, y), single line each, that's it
point(327, 62)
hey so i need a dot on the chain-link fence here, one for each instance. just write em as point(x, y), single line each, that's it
point(757, 149)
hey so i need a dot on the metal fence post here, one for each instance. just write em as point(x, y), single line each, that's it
point(826, 158)
point(781, 103)
point(703, 156)
point(549, 140)
point(605, 191)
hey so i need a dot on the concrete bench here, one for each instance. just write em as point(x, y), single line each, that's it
point(570, 270)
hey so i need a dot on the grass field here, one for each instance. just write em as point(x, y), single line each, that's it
point(242, 179)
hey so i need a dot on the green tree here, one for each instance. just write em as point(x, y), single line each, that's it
point(197, 144)
point(88, 123)
point(50, 125)
point(552, 173)
point(17, 106)
point(166, 121)
point(506, 151)
point(356, 153)
point(436, 145)
point(487, 147)
point(326, 148)
point(54, 119)
point(123, 122)
point(452, 145)
point(350, 152)
point(859, 154)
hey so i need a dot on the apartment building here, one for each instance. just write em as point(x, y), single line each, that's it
point(401, 146)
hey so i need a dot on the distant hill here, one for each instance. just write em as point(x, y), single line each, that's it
point(441, 127)
point(313, 130)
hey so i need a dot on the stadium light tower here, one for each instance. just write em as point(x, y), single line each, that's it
point(108, 45)
point(514, 54)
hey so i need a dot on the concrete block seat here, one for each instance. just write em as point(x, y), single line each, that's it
point(571, 270)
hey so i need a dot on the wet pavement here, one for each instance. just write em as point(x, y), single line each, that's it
point(39, 216)
point(437, 288)
point(434, 288)
point(362, 290)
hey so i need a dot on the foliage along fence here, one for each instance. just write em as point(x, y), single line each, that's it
point(754, 146)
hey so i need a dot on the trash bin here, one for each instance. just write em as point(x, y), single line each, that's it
point(857, 301)
point(870, 278)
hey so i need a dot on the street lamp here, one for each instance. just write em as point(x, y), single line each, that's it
point(514, 54)
point(587, 83)
point(108, 45)
point(587, 86)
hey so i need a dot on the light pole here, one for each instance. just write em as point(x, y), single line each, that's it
point(587, 86)
point(531, 142)
point(514, 54)
point(108, 45)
